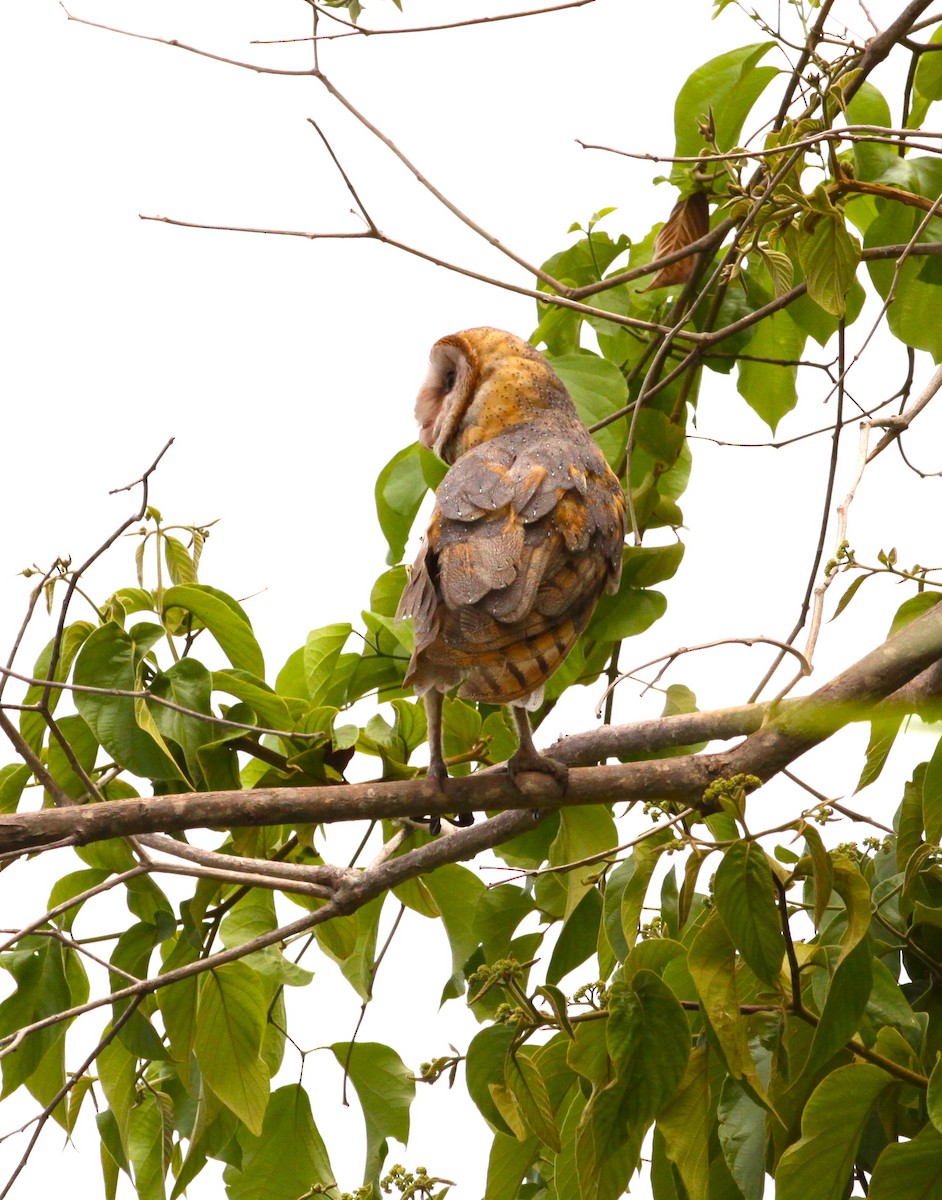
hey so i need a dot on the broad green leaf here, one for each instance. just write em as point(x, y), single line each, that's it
point(321, 651)
point(457, 891)
point(117, 1069)
point(583, 833)
point(646, 857)
point(42, 989)
point(854, 890)
point(356, 961)
point(484, 1066)
point(643, 566)
point(869, 107)
point(13, 779)
point(147, 1141)
point(400, 489)
point(597, 388)
point(386, 1090)
point(565, 1184)
point(524, 1081)
point(725, 87)
point(744, 893)
point(741, 1128)
point(630, 612)
point(83, 748)
point(927, 84)
point(932, 796)
point(829, 258)
point(819, 1165)
point(33, 724)
point(916, 281)
point(108, 659)
point(934, 1096)
point(287, 1159)
point(711, 961)
point(224, 619)
point(230, 1022)
point(271, 709)
point(847, 994)
point(909, 1170)
point(768, 387)
point(578, 937)
point(507, 1166)
point(882, 736)
point(685, 1125)
point(179, 563)
point(648, 1042)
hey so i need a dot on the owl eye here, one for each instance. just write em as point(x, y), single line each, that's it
point(449, 380)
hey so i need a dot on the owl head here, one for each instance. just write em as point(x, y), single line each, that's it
point(479, 383)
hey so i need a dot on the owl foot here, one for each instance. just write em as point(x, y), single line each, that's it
point(528, 759)
point(438, 773)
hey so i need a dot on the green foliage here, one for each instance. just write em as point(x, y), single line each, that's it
point(776, 1015)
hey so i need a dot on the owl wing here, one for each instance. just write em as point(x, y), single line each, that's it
point(527, 531)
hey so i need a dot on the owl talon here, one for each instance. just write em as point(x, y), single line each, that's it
point(524, 760)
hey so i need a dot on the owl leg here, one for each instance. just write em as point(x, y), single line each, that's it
point(528, 758)
point(437, 770)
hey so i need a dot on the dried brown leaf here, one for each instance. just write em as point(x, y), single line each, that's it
point(689, 221)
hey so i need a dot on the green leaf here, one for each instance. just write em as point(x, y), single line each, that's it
point(744, 893)
point(630, 612)
point(84, 749)
point(400, 489)
point(819, 1165)
point(726, 87)
point(13, 779)
point(643, 566)
point(386, 1090)
point(932, 796)
point(146, 1145)
point(525, 1082)
point(597, 388)
point(915, 284)
point(829, 258)
point(484, 1066)
point(711, 961)
point(224, 619)
point(507, 1166)
point(934, 1096)
point(741, 1128)
point(288, 1159)
point(456, 891)
point(845, 1002)
point(33, 724)
point(270, 709)
point(179, 563)
point(854, 890)
point(882, 736)
point(578, 937)
point(927, 85)
point(230, 1022)
point(583, 833)
point(686, 1122)
point(321, 651)
point(109, 658)
point(769, 387)
point(909, 1170)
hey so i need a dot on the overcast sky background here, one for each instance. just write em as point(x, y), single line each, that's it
point(286, 369)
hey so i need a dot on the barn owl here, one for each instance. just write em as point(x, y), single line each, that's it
point(527, 531)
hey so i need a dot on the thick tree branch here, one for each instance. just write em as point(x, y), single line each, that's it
point(852, 695)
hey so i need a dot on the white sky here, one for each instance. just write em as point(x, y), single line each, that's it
point(286, 370)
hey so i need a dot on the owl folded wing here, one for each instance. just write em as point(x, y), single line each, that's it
point(526, 533)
